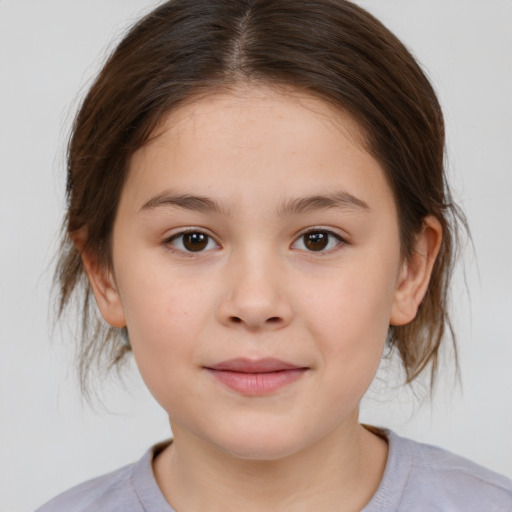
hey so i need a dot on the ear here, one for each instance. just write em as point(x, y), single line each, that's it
point(103, 284)
point(416, 271)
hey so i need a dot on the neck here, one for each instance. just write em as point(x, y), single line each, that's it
point(340, 473)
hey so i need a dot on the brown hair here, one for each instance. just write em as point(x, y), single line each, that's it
point(332, 49)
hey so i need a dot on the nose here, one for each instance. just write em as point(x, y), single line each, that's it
point(254, 295)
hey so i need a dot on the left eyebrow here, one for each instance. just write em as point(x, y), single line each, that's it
point(339, 200)
point(185, 202)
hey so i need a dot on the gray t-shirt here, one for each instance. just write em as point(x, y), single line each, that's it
point(417, 478)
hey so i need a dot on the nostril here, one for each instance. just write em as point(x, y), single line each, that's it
point(271, 320)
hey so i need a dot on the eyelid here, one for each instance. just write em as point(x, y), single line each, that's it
point(321, 229)
point(167, 241)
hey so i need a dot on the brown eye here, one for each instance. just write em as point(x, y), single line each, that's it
point(195, 241)
point(192, 241)
point(316, 241)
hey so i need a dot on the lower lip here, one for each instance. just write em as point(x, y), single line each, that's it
point(255, 384)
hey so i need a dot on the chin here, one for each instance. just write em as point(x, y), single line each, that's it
point(263, 444)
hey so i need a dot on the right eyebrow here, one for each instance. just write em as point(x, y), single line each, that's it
point(339, 200)
point(184, 201)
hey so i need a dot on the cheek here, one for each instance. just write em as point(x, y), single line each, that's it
point(354, 308)
point(349, 318)
point(158, 300)
point(165, 317)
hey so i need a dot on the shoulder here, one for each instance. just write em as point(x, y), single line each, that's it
point(132, 488)
point(437, 477)
point(111, 492)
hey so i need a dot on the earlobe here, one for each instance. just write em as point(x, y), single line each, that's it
point(104, 287)
point(416, 271)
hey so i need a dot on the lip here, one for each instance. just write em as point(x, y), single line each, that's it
point(256, 377)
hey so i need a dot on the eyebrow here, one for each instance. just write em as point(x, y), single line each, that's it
point(337, 200)
point(186, 202)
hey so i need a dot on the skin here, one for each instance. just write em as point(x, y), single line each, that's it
point(257, 291)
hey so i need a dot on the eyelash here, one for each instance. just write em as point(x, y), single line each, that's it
point(171, 241)
point(325, 232)
point(179, 236)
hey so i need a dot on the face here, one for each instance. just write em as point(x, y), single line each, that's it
point(256, 265)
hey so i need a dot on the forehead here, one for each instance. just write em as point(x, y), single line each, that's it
point(244, 106)
point(254, 141)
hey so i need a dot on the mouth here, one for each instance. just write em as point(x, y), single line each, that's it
point(256, 377)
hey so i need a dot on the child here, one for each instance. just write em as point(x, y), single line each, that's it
point(257, 196)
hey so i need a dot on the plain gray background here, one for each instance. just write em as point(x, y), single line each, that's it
point(49, 51)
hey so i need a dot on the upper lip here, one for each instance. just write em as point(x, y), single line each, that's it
point(244, 365)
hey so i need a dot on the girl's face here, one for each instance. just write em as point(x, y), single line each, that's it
point(257, 267)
